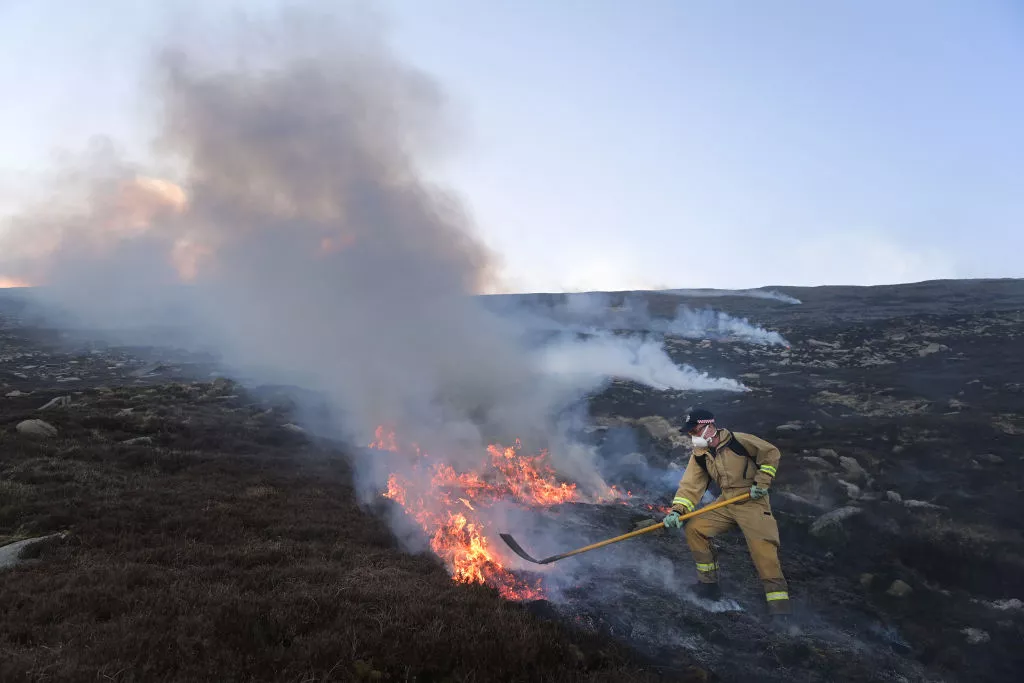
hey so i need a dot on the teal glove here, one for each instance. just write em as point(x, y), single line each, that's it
point(672, 521)
point(757, 491)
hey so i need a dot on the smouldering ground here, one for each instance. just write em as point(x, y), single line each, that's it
point(231, 549)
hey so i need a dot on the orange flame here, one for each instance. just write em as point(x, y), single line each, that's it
point(449, 506)
point(11, 283)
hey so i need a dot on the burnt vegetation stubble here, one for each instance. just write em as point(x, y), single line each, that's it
point(228, 548)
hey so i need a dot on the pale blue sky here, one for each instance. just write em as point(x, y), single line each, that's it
point(629, 144)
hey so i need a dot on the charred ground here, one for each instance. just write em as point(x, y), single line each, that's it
point(206, 539)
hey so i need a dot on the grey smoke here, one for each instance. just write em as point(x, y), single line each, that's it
point(752, 293)
point(595, 311)
point(319, 251)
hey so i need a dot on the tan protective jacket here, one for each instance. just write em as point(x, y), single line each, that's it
point(733, 472)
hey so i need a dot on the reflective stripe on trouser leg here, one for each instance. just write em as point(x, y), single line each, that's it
point(707, 572)
point(698, 532)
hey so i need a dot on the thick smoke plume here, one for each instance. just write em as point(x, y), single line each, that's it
point(291, 226)
point(299, 210)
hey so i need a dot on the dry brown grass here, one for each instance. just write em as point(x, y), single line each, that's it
point(231, 550)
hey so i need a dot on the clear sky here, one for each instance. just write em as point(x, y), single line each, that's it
point(612, 144)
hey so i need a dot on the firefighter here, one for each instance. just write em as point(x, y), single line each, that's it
point(737, 462)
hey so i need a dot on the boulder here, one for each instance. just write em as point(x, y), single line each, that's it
point(854, 471)
point(899, 589)
point(830, 524)
point(36, 428)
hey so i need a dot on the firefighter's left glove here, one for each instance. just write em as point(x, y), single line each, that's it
point(672, 521)
point(757, 491)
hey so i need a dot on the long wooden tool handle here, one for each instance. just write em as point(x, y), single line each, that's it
point(649, 529)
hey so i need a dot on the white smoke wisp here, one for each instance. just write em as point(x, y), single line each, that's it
point(709, 323)
point(592, 312)
point(769, 294)
point(604, 357)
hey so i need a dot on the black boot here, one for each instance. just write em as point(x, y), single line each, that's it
point(707, 591)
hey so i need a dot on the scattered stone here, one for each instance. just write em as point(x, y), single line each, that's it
point(852, 490)
point(897, 449)
point(899, 589)
point(36, 428)
point(124, 412)
point(817, 462)
point(853, 468)
point(792, 497)
point(894, 497)
point(294, 428)
point(992, 458)
point(10, 554)
point(931, 348)
point(921, 504)
point(789, 427)
point(660, 428)
point(64, 380)
point(138, 441)
point(828, 453)
point(832, 522)
point(975, 636)
point(866, 580)
point(58, 402)
point(1005, 424)
point(15, 394)
point(1012, 603)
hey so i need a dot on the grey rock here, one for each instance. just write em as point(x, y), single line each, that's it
point(852, 490)
point(10, 553)
point(899, 589)
point(931, 348)
point(828, 453)
point(36, 428)
point(1012, 603)
point(832, 521)
point(58, 402)
point(992, 458)
point(975, 636)
point(852, 468)
point(894, 497)
point(815, 461)
point(15, 394)
point(138, 441)
point(789, 427)
point(921, 505)
point(659, 428)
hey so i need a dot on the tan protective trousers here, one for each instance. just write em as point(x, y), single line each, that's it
point(756, 521)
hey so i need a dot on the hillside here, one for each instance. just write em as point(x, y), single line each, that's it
point(202, 535)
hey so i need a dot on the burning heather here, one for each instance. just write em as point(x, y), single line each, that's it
point(452, 506)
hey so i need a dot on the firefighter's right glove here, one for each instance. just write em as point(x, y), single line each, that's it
point(672, 521)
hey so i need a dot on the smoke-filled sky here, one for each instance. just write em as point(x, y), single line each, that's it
point(610, 145)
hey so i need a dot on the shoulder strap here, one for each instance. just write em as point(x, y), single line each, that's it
point(737, 445)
